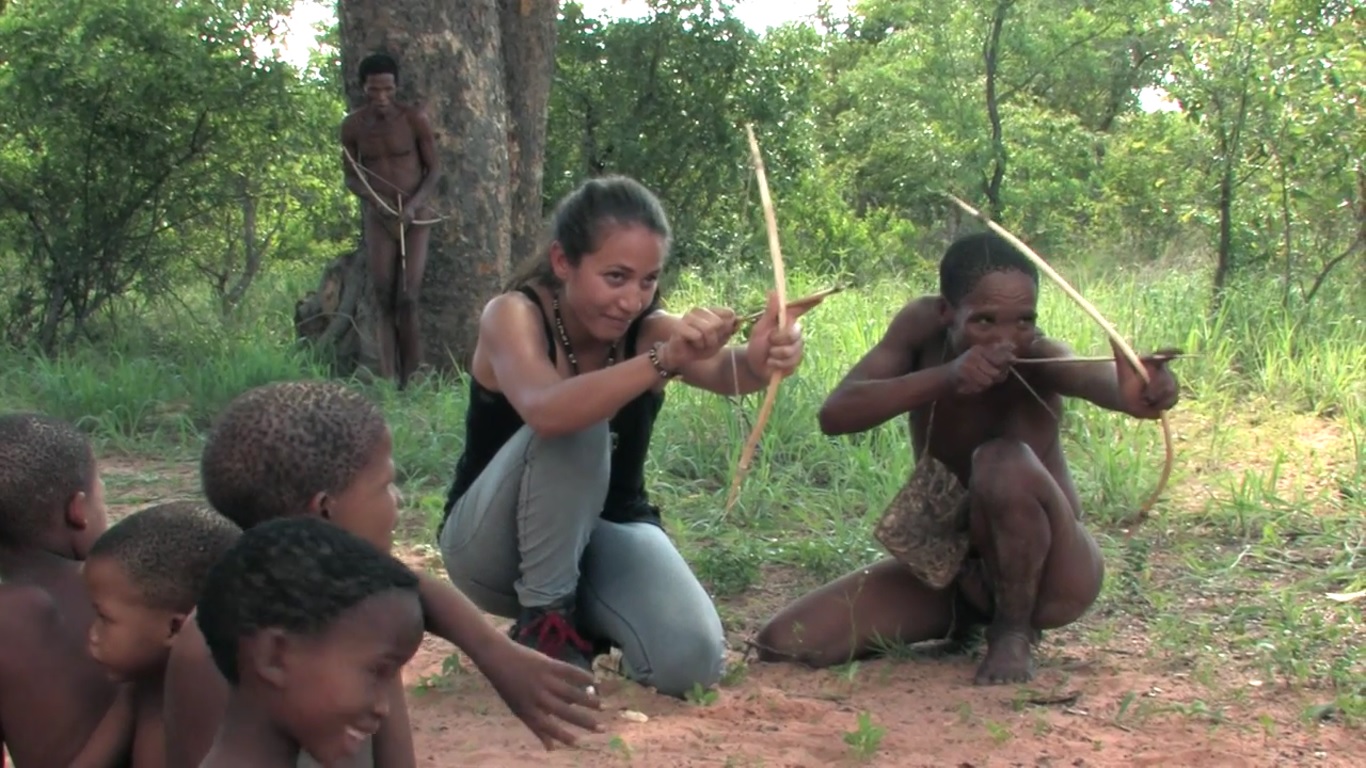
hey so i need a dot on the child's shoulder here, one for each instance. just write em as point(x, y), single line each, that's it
point(29, 617)
point(21, 603)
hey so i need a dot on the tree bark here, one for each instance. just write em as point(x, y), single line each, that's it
point(528, 28)
point(1224, 256)
point(451, 59)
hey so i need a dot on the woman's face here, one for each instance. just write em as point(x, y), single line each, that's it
point(612, 285)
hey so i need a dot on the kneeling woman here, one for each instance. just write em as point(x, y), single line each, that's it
point(548, 520)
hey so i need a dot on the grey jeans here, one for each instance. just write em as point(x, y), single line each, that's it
point(528, 532)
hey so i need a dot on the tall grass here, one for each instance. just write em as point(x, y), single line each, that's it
point(1249, 357)
point(810, 500)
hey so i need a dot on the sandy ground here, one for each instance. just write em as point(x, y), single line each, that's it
point(1120, 705)
point(1117, 705)
point(779, 715)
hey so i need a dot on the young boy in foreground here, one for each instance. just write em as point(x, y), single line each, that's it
point(144, 576)
point(52, 694)
point(311, 626)
point(322, 450)
point(1031, 565)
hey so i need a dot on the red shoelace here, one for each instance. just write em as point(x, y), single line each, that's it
point(552, 632)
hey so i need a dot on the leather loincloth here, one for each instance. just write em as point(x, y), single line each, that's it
point(925, 526)
point(390, 224)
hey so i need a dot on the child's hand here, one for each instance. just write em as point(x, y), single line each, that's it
point(541, 692)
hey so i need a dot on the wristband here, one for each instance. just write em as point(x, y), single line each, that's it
point(659, 366)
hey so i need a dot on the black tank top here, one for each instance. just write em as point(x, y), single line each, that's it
point(490, 421)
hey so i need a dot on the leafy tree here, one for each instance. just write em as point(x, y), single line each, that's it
point(117, 116)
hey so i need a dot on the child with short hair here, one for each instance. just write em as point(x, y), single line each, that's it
point(311, 626)
point(52, 694)
point(319, 449)
point(144, 576)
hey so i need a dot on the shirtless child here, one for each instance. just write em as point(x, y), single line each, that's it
point(311, 626)
point(144, 576)
point(394, 145)
point(1031, 565)
point(319, 449)
point(52, 694)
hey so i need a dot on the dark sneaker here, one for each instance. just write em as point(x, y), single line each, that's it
point(551, 631)
point(602, 646)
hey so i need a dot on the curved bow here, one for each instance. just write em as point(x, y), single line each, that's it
point(780, 279)
point(1119, 342)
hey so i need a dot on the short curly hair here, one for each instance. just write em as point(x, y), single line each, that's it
point(275, 446)
point(167, 550)
point(44, 461)
point(299, 574)
point(971, 257)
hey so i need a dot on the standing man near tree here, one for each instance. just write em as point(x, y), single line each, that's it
point(390, 163)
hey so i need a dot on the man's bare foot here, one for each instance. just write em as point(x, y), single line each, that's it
point(1010, 659)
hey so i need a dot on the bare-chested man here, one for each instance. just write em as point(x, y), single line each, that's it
point(395, 147)
point(1031, 565)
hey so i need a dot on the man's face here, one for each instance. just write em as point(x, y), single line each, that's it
point(379, 92)
point(1002, 307)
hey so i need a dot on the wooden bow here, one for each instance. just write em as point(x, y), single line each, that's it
point(363, 173)
point(1110, 331)
point(780, 279)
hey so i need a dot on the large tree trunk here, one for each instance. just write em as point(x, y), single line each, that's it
point(529, 64)
point(490, 122)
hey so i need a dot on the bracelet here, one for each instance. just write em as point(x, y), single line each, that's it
point(654, 360)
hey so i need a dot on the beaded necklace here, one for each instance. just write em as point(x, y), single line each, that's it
point(574, 361)
point(564, 340)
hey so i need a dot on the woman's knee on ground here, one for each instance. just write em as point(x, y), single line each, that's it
point(683, 660)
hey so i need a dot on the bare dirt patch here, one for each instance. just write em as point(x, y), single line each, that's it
point(1088, 707)
point(1121, 704)
point(136, 482)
